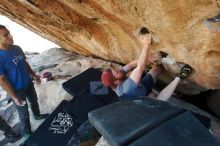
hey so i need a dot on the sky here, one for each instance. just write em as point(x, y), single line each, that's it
point(26, 39)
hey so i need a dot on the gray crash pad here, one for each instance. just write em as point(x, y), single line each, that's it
point(150, 122)
point(183, 130)
point(125, 121)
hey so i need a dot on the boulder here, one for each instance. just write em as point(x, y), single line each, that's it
point(107, 29)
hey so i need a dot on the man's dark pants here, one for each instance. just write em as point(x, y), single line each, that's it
point(28, 93)
point(4, 126)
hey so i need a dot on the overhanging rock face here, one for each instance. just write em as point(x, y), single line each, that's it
point(106, 29)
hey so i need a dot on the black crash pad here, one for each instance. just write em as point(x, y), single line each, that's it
point(129, 122)
point(56, 130)
point(123, 122)
point(88, 81)
point(82, 104)
point(49, 133)
point(77, 108)
point(182, 130)
point(81, 87)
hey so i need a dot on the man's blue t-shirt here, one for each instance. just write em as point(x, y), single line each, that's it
point(13, 66)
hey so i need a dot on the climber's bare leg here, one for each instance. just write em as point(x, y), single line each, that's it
point(167, 92)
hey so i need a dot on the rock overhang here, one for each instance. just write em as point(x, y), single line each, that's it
point(105, 29)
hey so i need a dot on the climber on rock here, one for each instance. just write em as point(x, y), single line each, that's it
point(135, 85)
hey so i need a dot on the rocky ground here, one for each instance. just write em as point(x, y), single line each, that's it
point(64, 65)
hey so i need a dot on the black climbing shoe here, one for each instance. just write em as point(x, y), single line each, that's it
point(40, 116)
point(185, 71)
point(12, 137)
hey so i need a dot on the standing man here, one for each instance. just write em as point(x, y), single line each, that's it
point(15, 78)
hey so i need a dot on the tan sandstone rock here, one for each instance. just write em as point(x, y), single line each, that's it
point(106, 29)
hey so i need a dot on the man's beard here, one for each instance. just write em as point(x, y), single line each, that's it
point(9, 45)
